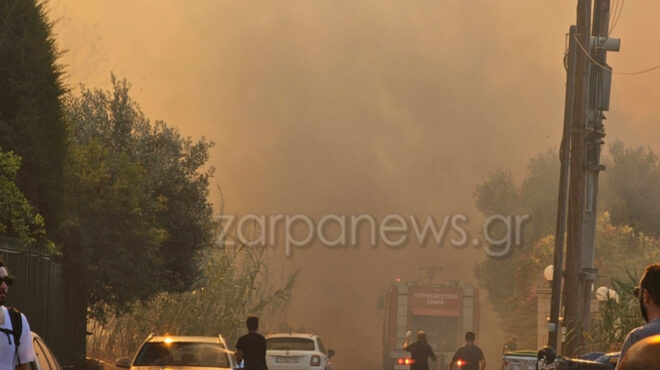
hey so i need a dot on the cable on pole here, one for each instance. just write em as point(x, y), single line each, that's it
point(608, 68)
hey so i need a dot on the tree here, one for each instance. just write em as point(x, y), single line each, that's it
point(138, 199)
point(17, 217)
point(631, 191)
point(112, 245)
point(499, 194)
point(629, 194)
point(31, 119)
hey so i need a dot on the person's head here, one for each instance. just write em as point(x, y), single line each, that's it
point(252, 323)
point(421, 336)
point(643, 355)
point(5, 282)
point(648, 292)
point(470, 337)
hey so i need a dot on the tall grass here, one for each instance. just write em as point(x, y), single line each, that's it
point(234, 285)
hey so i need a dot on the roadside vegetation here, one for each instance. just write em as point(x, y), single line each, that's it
point(235, 284)
point(627, 230)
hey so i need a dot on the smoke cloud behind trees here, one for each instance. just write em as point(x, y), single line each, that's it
point(347, 107)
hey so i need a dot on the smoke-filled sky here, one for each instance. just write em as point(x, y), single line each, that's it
point(355, 107)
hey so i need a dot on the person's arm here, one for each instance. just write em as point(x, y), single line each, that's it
point(432, 354)
point(407, 342)
point(453, 361)
point(26, 348)
point(239, 351)
point(482, 364)
point(626, 346)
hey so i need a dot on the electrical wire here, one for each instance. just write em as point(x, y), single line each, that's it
point(618, 16)
point(566, 45)
point(639, 72)
point(615, 4)
point(594, 61)
point(608, 68)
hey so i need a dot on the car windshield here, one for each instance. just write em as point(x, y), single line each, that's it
point(182, 354)
point(290, 344)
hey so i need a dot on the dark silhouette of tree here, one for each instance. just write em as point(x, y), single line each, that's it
point(31, 117)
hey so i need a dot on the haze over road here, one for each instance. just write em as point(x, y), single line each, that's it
point(364, 107)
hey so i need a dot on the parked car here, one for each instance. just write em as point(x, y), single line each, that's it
point(45, 359)
point(527, 360)
point(297, 351)
point(181, 352)
point(519, 360)
point(609, 358)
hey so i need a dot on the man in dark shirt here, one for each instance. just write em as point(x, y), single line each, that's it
point(252, 347)
point(420, 351)
point(469, 356)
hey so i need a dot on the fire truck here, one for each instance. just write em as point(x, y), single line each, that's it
point(445, 312)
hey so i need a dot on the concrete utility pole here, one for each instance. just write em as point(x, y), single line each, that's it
point(562, 203)
point(575, 225)
point(592, 96)
point(599, 92)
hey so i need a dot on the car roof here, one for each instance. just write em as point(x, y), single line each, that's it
point(179, 338)
point(292, 335)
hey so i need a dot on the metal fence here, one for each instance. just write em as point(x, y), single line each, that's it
point(39, 292)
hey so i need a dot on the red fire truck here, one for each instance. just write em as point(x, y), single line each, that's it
point(445, 312)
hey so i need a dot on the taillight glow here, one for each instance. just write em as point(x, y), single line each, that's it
point(460, 363)
point(405, 361)
point(315, 361)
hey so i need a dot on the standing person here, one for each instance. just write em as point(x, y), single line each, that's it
point(469, 356)
point(648, 294)
point(16, 350)
point(252, 347)
point(420, 351)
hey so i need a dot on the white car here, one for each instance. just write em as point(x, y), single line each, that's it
point(297, 352)
point(179, 352)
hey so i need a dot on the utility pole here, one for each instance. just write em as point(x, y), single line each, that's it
point(599, 92)
point(575, 224)
point(592, 97)
point(564, 156)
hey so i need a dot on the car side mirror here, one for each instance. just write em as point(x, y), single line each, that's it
point(331, 353)
point(123, 362)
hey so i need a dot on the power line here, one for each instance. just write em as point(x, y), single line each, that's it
point(639, 72)
point(618, 16)
point(615, 4)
